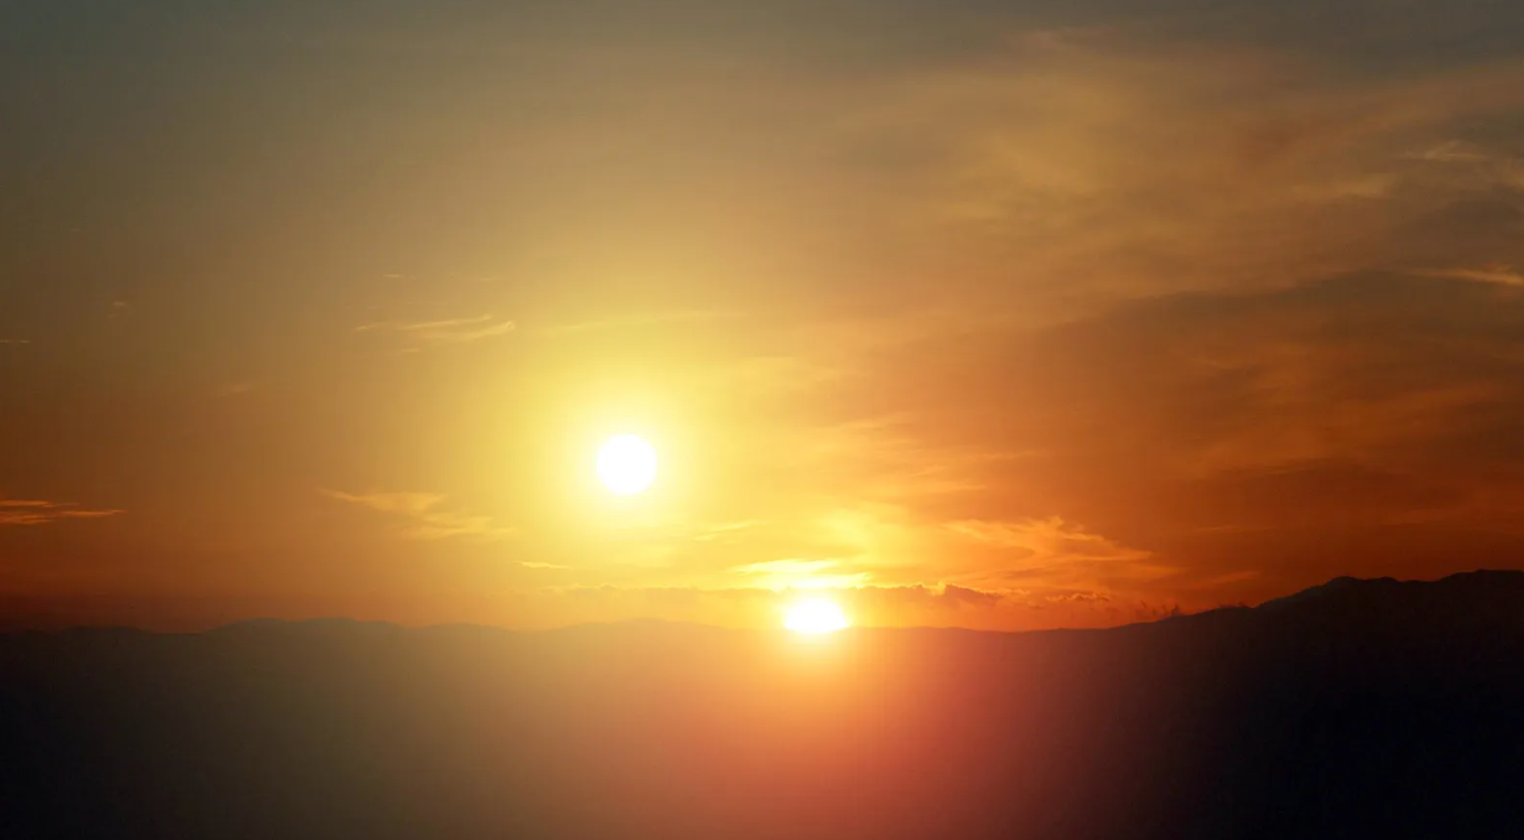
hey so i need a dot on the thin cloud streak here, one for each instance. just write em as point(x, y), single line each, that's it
point(448, 331)
point(423, 518)
point(799, 574)
point(1502, 275)
point(31, 512)
point(634, 321)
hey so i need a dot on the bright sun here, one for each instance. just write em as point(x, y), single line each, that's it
point(626, 464)
point(815, 616)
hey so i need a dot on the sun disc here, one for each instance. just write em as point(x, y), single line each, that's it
point(815, 617)
point(626, 464)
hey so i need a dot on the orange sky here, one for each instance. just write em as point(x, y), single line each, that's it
point(1065, 315)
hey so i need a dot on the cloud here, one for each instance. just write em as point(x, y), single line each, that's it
point(1050, 538)
point(637, 320)
point(721, 530)
point(1502, 275)
point(1341, 422)
point(1069, 171)
point(450, 331)
point(422, 517)
point(1053, 554)
point(799, 574)
point(37, 512)
point(15, 341)
point(1450, 151)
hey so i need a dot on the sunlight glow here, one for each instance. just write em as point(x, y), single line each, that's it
point(815, 617)
point(626, 464)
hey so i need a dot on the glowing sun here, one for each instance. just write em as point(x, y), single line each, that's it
point(626, 464)
point(814, 617)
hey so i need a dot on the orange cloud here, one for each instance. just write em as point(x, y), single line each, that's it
point(38, 512)
point(1074, 169)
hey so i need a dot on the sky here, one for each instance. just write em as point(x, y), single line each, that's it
point(997, 315)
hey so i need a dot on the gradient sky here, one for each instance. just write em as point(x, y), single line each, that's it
point(996, 314)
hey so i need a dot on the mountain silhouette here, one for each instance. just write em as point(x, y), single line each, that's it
point(1357, 708)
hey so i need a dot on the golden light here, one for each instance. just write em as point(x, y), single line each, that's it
point(814, 617)
point(626, 464)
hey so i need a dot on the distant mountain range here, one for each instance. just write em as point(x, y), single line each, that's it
point(1357, 708)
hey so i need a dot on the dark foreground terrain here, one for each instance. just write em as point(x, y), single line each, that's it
point(1357, 709)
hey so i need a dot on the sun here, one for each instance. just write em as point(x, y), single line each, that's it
point(626, 464)
point(814, 617)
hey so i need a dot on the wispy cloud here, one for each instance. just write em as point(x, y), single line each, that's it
point(1502, 275)
point(675, 317)
point(448, 331)
point(422, 517)
point(709, 533)
point(1050, 537)
point(1054, 553)
point(1451, 151)
point(15, 341)
point(799, 574)
point(1262, 168)
point(40, 512)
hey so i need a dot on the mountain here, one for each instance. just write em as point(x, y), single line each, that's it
point(1357, 708)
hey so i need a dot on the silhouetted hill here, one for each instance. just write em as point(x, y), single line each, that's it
point(1357, 708)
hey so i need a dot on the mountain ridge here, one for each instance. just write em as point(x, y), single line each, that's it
point(1357, 708)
